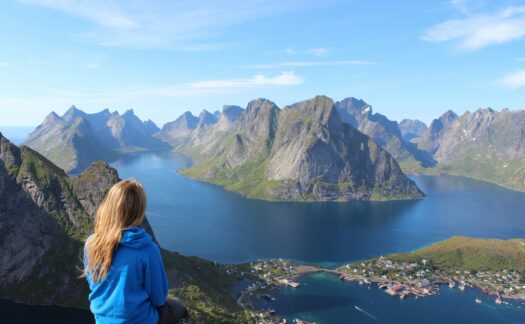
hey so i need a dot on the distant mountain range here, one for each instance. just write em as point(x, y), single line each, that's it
point(486, 145)
point(76, 139)
point(45, 216)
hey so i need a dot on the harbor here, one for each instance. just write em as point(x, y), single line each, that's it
point(402, 279)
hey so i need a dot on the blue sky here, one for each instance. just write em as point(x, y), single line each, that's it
point(407, 59)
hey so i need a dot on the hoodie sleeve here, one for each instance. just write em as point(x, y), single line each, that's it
point(155, 280)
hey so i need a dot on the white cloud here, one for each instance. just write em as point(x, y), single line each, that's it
point(317, 51)
point(514, 80)
point(92, 65)
point(3, 63)
point(260, 80)
point(290, 51)
point(521, 59)
point(185, 25)
point(136, 93)
point(307, 64)
point(476, 31)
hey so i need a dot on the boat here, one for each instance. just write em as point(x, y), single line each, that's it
point(478, 301)
point(451, 284)
point(498, 300)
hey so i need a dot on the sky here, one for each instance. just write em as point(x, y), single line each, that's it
point(408, 59)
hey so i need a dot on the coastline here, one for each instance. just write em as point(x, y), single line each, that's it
point(272, 275)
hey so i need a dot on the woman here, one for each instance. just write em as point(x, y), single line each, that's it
point(124, 266)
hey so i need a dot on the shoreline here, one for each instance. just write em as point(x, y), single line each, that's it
point(291, 272)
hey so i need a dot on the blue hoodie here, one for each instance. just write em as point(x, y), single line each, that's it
point(134, 286)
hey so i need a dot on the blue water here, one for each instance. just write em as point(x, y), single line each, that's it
point(200, 219)
point(196, 218)
point(323, 298)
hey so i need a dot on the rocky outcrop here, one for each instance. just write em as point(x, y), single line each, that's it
point(77, 139)
point(91, 186)
point(45, 217)
point(304, 152)
point(41, 224)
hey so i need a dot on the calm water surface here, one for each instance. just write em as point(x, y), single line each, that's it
point(323, 298)
point(200, 219)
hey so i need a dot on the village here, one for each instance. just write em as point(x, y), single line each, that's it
point(265, 276)
point(422, 279)
point(397, 278)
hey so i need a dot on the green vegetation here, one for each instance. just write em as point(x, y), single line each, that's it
point(249, 178)
point(505, 172)
point(471, 254)
point(495, 266)
point(205, 287)
point(53, 181)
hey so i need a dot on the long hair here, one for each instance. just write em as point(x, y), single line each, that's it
point(123, 206)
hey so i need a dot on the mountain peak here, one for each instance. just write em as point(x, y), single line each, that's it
point(206, 118)
point(72, 113)
point(52, 117)
point(449, 114)
point(319, 108)
point(129, 112)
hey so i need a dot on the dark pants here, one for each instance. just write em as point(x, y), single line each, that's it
point(173, 311)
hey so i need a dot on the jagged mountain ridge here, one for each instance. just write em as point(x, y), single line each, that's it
point(484, 144)
point(302, 152)
point(385, 132)
point(45, 216)
point(77, 139)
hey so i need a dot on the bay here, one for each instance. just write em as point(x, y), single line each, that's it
point(204, 220)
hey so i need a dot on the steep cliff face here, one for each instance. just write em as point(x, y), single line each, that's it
point(42, 225)
point(484, 144)
point(384, 132)
point(304, 152)
point(77, 139)
point(439, 128)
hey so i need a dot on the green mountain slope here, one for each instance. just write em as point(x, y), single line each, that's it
point(464, 253)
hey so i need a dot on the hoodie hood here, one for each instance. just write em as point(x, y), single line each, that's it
point(135, 237)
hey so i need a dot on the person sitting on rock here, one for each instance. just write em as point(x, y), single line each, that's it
point(123, 265)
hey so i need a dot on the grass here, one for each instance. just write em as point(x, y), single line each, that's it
point(248, 179)
point(54, 182)
point(205, 287)
point(464, 253)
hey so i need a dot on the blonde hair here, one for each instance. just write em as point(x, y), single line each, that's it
point(123, 206)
